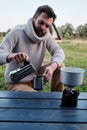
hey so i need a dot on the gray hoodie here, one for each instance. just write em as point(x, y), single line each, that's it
point(24, 39)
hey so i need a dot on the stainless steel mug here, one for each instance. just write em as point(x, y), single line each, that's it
point(38, 82)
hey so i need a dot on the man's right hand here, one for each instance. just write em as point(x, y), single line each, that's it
point(17, 57)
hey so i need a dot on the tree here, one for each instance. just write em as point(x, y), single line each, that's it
point(67, 31)
point(81, 31)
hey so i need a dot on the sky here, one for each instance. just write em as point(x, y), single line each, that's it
point(18, 12)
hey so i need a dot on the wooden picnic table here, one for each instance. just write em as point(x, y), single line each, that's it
point(41, 111)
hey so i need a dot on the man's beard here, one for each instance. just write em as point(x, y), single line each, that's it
point(39, 31)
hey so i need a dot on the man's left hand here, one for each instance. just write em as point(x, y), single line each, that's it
point(49, 71)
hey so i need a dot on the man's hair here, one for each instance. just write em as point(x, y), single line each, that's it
point(45, 9)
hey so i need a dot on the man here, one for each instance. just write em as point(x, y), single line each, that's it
point(29, 43)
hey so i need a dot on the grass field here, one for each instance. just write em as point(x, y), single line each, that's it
point(76, 56)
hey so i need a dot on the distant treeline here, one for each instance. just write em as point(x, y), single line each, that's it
point(67, 31)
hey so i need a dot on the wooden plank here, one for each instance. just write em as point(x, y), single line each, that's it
point(26, 103)
point(43, 115)
point(30, 95)
point(12, 94)
point(41, 126)
point(38, 103)
point(44, 95)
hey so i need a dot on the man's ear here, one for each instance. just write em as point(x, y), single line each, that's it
point(34, 17)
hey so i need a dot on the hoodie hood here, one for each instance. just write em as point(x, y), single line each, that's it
point(29, 30)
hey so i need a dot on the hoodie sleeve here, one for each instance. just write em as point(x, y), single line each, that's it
point(6, 47)
point(55, 50)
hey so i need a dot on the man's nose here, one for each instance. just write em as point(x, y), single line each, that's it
point(43, 27)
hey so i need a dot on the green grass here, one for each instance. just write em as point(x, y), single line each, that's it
point(2, 81)
point(76, 56)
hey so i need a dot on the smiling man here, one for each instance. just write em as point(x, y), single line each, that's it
point(29, 43)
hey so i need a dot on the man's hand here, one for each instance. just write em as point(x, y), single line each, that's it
point(49, 71)
point(17, 57)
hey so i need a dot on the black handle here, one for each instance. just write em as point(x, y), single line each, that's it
point(26, 63)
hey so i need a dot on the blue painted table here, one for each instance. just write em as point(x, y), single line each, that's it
point(40, 111)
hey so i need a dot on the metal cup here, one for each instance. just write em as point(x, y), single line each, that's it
point(38, 82)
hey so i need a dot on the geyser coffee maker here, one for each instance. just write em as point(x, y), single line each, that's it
point(71, 77)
